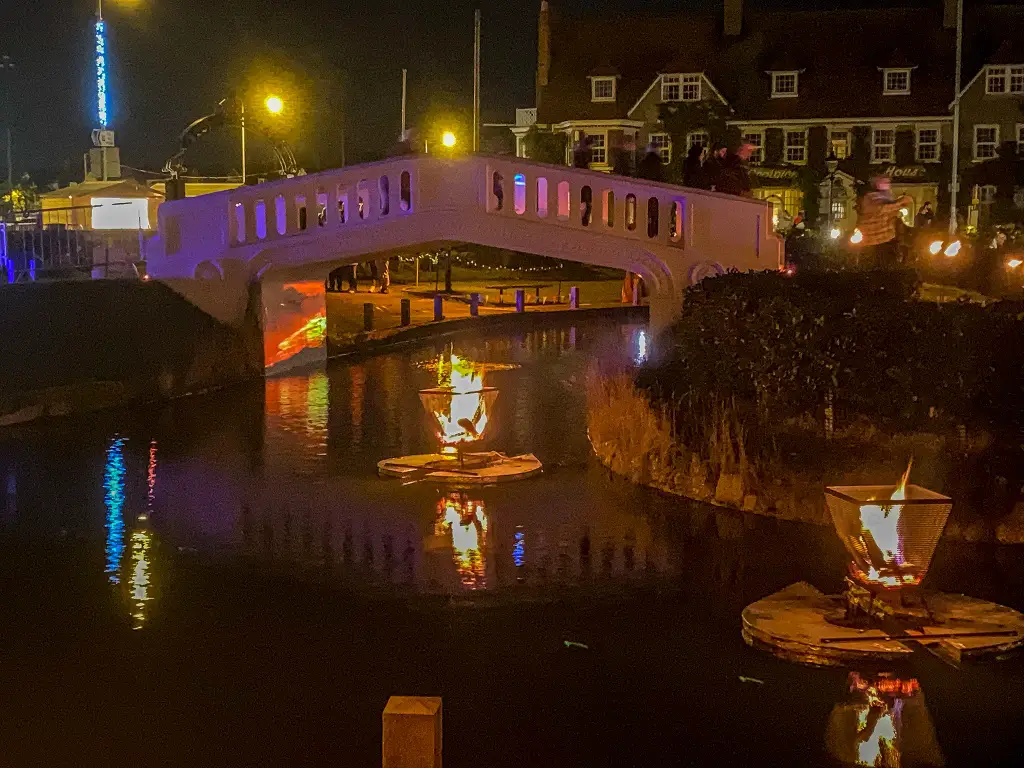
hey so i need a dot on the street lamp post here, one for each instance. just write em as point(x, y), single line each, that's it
point(954, 186)
point(831, 164)
point(274, 105)
point(8, 66)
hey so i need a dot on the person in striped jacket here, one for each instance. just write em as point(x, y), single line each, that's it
point(877, 223)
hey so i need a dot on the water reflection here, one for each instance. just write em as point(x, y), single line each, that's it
point(139, 580)
point(114, 488)
point(461, 526)
point(883, 721)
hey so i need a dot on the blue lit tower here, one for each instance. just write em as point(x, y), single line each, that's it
point(104, 158)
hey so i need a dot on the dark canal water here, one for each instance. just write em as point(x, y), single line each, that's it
point(225, 580)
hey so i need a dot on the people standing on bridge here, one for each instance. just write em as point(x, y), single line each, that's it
point(624, 158)
point(650, 167)
point(408, 144)
point(583, 152)
point(712, 165)
point(693, 167)
point(877, 222)
point(733, 177)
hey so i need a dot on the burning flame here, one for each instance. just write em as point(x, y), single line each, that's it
point(463, 417)
point(881, 522)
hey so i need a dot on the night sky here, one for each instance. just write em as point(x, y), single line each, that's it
point(338, 66)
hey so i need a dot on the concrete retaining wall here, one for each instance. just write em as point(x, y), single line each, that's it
point(71, 347)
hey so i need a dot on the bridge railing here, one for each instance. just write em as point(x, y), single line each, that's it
point(306, 205)
point(719, 227)
point(628, 208)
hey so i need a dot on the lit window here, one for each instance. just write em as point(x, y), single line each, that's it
point(598, 155)
point(697, 139)
point(995, 80)
point(680, 87)
point(1016, 79)
point(121, 213)
point(663, 143)
point(927, 145)
point(840, 141)
point(986, 142)
point(895, 81)
point(883, 145)
point(784, 84)
point(602, 89)
point(796, 146)
point(756, 140)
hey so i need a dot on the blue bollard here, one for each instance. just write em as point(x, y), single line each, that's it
point(474, 305)
point(438, 307)
point(520, 300)
point(574, 297)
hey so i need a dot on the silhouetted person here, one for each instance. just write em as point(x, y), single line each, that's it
point(650, 167)
point(733, 178)
point(693, 167)
point(583, 152)
point(925, 216)
point(713, 165)
point(624, 158)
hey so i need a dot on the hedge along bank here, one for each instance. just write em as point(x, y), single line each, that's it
point(769, 388)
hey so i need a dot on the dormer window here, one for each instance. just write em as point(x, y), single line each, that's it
point(680, 88)
point(785, 84)
point(602, 89)
point(1004, 80)
point(896, 82)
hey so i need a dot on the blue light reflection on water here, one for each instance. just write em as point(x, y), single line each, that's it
point(519, 548)
point(113, 499)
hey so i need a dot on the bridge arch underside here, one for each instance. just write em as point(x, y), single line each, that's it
point(666, 271)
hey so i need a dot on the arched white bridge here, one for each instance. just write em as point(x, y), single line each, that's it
point(672, 236)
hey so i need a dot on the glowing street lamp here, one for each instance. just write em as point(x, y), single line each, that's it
point(448, 139)
point(274, 105)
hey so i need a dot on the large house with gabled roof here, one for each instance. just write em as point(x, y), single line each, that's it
point(871, 86)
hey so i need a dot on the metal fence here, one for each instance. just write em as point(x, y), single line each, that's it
point(31, 250)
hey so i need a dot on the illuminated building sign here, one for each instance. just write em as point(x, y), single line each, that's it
point(101, 72)
point(120, 213)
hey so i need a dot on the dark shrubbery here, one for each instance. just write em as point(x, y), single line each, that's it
point(784, 346)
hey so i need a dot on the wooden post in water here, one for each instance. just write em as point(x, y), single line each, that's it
point(412, 732)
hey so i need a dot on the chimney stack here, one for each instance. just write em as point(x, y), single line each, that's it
point(734, 17)
point(949, 14)
point(543, 48)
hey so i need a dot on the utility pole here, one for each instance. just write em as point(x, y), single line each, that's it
point(476, 80)
point(405, 77)
point(8, 66)
point(243, 142)
point(954, 186)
